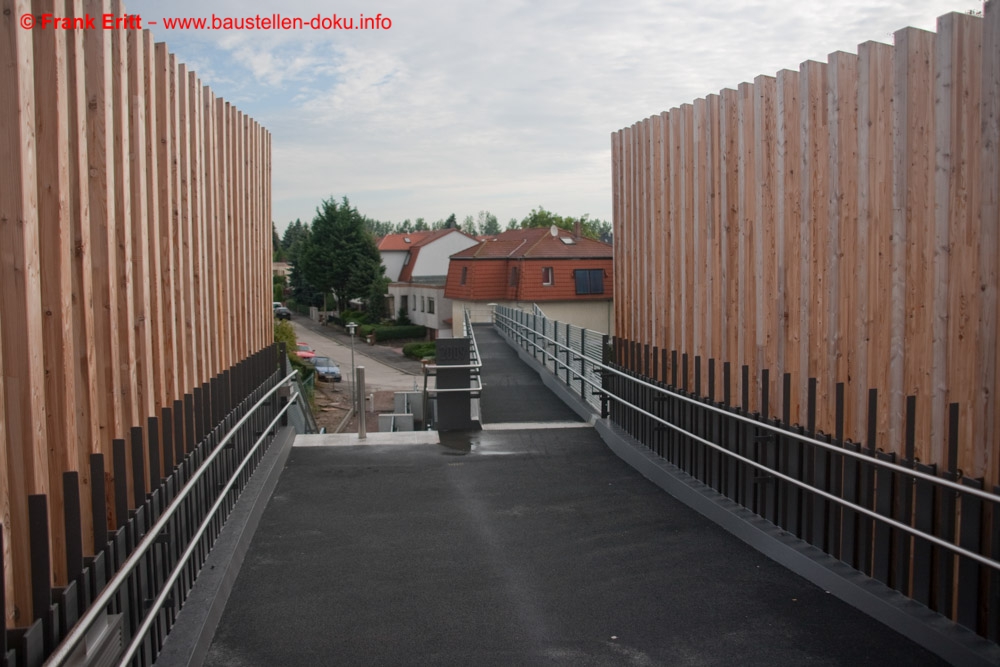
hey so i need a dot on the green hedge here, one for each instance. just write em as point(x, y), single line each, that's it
point(397, 333)
point(420, 350)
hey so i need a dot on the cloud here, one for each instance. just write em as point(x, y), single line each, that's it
point(502, 106)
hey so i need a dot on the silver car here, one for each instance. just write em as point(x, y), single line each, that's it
point(326, 368)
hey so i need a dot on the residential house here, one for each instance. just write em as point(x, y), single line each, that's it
point(417, 265)
point(567, 275)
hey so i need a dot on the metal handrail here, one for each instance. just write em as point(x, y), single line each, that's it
point(770, 471)
point(161, 599)
point(986, 495)
point(79, 631)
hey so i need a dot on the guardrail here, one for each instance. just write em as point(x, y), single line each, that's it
point(124, 600)
point(933, 536)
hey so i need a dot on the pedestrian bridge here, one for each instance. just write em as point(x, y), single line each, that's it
point(529, 542)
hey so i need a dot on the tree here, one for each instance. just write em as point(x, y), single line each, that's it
point(379, 228)
point(469, 225)
point(451, 222)
point(420, 225)
point(341, 255)
point(487, 223)
point(277, 252)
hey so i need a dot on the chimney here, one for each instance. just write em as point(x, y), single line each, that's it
point(576, 229)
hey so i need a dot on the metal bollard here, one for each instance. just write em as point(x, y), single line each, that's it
point(359, 401)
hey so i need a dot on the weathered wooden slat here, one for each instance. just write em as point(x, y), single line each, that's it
point(55, 263)
point(20, 293)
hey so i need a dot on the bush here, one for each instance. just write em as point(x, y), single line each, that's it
point(403, 318)
point(400, 333)
point(420, 350)
point(284, 333)
point(354, 316)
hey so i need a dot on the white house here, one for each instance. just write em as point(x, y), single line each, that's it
point(417, 265)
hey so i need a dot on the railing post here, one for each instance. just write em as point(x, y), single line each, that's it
point(360, 402)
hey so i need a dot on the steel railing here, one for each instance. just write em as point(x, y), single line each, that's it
point(793, 477)
point(144, 586)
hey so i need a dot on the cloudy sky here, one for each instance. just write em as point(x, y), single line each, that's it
point(504, 105)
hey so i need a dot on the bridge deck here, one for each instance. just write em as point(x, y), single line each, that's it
point(516, 547)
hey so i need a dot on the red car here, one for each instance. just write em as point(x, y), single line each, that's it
point(303, 351)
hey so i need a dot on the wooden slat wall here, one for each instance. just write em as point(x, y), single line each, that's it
point(838, 222)
point(134, 236)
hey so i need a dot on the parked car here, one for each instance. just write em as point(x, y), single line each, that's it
point(276, 304)
point(326, 368)
point(304, 352)
point(282, 313)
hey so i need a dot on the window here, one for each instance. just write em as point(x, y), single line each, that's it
point(589, 281)
point(513, 276)
point(547, 275)
point(414, 302)
point(430, 306)
point(423, 303)
point(465, 275)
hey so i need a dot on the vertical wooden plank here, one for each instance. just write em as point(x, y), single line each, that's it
point(101, 195)
point(729, 204)
point(182, 237)
point(196, 185)
point(7, 598)
point(166, 156)
point(20, 293)
point(770, 302)
point(675, 339)
point(616, 224)
point(699, 224)
point(211, 223)
point(715, 315)
point(747, 204)
point(152, 105)
point(657, 233)
point(986, 415)
point(913, 203)
point(847, 351)
point(224, 244)
point(789, 216)
point(958, 304)
point(122, 238)
point(641, 227)
point(55, 265)
point(87, 439)
point(687, 228)
point(816, 307)
point(139, 164)
point(875, 157)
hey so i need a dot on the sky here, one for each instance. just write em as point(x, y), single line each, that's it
point(503, 106)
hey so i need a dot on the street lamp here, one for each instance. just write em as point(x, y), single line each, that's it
point(351, 328)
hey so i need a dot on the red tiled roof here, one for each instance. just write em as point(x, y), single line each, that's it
point(536, 243)
point(391, 242)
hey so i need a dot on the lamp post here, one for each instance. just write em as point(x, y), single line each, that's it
point(351, 328)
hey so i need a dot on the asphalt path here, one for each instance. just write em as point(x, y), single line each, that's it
point(518, 547)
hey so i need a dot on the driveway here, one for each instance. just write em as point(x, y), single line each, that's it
point(378, 376)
